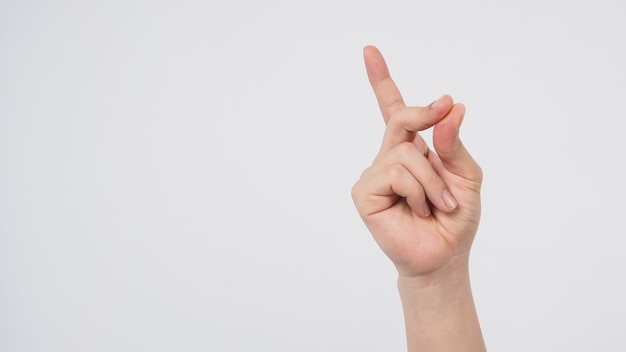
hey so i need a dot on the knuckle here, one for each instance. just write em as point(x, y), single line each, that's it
point(367, 171)
point(395, 172)
point(355, 191)
point(406, 149)
point(357, 188)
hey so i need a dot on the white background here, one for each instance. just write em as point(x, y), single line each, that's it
point(175, 176)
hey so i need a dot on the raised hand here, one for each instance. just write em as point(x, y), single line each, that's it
point(422, 206)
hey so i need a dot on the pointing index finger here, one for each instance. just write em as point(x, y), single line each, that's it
point(386, 91)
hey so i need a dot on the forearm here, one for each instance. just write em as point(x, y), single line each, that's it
point(441, 316)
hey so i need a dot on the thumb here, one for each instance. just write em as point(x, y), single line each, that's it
point(451, 151)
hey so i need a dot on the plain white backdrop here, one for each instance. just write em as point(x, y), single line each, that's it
point(175, 175)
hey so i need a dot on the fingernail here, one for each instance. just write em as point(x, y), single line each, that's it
point(426, 210)
point(435, 103)
point(449, 200)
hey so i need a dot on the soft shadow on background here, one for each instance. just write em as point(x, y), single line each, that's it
point(176, 175)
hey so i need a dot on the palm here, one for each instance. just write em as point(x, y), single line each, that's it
point(420, 245)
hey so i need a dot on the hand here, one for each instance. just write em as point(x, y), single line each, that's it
point(422, 206)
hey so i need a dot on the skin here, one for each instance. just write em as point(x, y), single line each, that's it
point(423, 208)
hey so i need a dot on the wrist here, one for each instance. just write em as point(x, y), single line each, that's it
point(454, 271)
point(439, 312)
point(437, 292)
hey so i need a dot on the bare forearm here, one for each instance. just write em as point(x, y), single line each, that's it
point(440, 316)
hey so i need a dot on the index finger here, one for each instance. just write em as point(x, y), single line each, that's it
point(386, 91)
